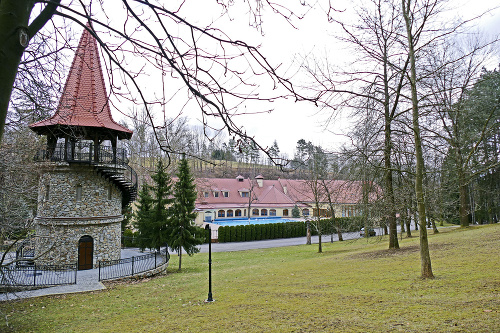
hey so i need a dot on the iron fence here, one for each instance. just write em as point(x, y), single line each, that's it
point(38, 275)
point(115, 269)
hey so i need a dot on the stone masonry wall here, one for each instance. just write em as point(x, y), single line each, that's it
point(66, 213)
point(61, 182)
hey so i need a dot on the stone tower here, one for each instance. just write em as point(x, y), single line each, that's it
point(85, 179)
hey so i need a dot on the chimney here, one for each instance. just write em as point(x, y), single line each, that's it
point(260, 180)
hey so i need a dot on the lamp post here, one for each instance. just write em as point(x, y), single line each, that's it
point(209, 299)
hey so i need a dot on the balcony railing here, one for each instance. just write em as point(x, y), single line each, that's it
point(83, 152)
point(107, 160)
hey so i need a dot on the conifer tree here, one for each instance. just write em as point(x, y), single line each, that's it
point(160, 211)
point(183, 233)
point(143, 215)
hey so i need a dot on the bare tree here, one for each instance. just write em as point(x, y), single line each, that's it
point(198, 62)
point(459, 129)
point(375, 78)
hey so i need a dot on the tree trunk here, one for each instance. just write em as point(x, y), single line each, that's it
point(388, 181)
point(14, 31)
point(308, 224)
point(434, 227)
point(463, 210)
point(339, 232)
point(14, 14)
point(320, 246)
point(180, 258)
point(425, 259)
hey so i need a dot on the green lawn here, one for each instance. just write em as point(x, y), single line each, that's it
point(354, 286)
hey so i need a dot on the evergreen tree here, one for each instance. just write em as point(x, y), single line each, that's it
point(183, 234)
point(143, 215)
point(161, 210)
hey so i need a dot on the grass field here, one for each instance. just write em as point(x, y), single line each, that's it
point(354, 286)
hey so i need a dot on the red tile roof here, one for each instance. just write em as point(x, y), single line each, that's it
point(84, 101)
point(273, 193)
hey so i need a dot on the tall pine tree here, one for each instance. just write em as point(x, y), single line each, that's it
point(162, 200)
point(153, 209)
point(183, 232)
point(143, 215)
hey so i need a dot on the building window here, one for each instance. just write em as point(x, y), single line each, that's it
point(272, 212)
point(263, 212)
point(237, 212)
point(255, 212)
point(47, 192)
point(225, 194)
point(205, 194)
point(78, 192)
point(285, 212)
point(216, 194)
point(245, 194)
point(230, 213)
point(221, 213)
point(305, 212)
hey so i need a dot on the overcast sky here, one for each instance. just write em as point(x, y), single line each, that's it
point(291, 121)
point(283, 44)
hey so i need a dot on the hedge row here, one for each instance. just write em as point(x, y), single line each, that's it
point(252, 232)
point(131, 239)
point(346, 224)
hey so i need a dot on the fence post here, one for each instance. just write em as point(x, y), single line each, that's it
point(133, 258)
point(34, 276)
point(155, 258)
point(76, 271)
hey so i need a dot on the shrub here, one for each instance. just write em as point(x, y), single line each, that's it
point(265, 231)
point(271, 231)
point(240, 235)
point(258, 231)
point(232, 231)
point(128, 239)
point(222, 234)
point(248, 233)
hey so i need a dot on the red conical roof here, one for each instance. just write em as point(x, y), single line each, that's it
point(84, 105)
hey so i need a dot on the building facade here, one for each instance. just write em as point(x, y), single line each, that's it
point(226, 198)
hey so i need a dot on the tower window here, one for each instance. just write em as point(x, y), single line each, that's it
point(110, 192)
point(78, 192)
point(47, 192)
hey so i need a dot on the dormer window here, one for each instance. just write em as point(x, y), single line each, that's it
point(245, 194)
point(205, 194)
point(225, 194)
point(216, 194)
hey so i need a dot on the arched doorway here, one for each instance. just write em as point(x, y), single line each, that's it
point(85, 252)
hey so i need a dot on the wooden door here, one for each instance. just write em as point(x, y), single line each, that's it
point(85, 252)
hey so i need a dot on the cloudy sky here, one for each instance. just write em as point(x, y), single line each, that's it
point(285, 45)
point(282, 43)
